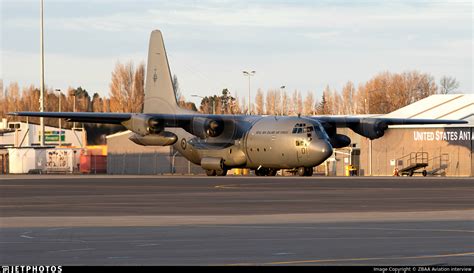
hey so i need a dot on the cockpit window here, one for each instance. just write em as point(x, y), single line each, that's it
point(300, 128)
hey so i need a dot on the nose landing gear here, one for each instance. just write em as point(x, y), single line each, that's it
point(222, 172)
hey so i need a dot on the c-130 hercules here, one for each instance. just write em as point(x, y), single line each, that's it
point(221, 142)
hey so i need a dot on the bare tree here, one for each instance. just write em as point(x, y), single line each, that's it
point(296, 103)
point(13, 97)
point(271, 102)
point(309, 104)
point(259, 104)
point(299, 103)
point(285, 101)
point(127, 88)
point(348, 98)
point(448, 84)
point(2, 100)
point(327, 102)
point(244, 105)
point(387, 91)
point(235, 106)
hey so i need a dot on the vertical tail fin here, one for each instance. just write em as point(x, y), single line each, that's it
point(160, 97)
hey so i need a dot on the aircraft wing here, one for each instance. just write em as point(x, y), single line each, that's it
point(369, 126)
point(374, 126)
point(196, 124)
point(111, 118)
point(171, 120)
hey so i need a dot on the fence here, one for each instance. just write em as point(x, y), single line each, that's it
point(150, 163)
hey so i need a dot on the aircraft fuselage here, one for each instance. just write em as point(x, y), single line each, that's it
point(268, 142)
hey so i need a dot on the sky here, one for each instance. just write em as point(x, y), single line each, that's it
point(304, 45)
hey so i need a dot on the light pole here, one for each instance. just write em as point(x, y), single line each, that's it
point(367, 102)
point(74, 108)
point(281, 98)
point(60, 132)
point(249, 74)
point(213, 104)
point(42, 75)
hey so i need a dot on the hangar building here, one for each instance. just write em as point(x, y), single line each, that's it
point(447, 150)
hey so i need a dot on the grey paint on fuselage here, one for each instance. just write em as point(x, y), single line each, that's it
point(267, 141)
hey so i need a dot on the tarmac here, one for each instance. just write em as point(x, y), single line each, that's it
point(196, 220)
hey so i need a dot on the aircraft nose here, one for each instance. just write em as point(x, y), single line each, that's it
point(320, 150)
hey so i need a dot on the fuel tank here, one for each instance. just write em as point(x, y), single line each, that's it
point(164, 138)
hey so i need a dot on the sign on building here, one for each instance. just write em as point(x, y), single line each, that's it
point(53, 136)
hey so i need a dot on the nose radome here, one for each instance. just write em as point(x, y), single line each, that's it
point(327, 149)
point(319, 151)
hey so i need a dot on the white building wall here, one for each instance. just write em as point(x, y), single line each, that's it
point(28, 135)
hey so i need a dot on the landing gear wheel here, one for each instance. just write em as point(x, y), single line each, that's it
point(411, 173)
point(260, 172)
point(424, 172)
point(305, 171)
point(301, 171)
point(211, 172)
point(271, 172)
point(222, 172)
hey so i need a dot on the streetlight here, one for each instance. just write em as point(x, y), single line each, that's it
point(249, 74)
point(367, 102)
point(60, 133)
point(213, 104)
point(281, 98)
point(73, 107)
point(42, 74)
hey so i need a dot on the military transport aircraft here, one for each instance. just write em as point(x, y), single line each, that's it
point(218, 143)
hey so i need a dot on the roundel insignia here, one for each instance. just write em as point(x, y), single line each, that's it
point(183, 143)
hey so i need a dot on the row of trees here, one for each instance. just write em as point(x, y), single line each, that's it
point(126, 94)
point(382, 94)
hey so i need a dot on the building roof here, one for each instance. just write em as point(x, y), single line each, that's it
point(451, 106)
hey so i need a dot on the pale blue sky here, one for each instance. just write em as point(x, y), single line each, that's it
point(304, 45)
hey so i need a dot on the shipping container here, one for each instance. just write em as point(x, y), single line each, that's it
point(63, 160)
point(27, 160)
point(92, 164)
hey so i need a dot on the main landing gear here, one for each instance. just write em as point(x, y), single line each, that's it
point(305, 171)
point(222, 172)
point(265, 172)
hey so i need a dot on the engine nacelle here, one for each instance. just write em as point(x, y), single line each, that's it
point(164, 138)
point(370, 128)
point(340, 141)
point(205, 127)
point(143, 125)
point(212, 163)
